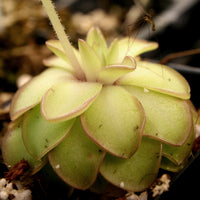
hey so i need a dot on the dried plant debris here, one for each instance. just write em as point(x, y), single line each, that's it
point(18, 170)
point(133, 196)
point(12, 186)
point(13, 190)
point(161, 185)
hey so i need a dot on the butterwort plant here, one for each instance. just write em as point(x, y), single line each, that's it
point(100, 110)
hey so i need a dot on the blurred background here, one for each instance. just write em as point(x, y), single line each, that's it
point(24, 28)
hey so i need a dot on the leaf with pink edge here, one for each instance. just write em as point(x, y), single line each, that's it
point(91, 63)
point(67, 100)
point(56, 47)
point(13, 149)
point(179, 154)
point(109, 74)
point(113, 72)
point(168, 118)
point(168, 165)
point(115, 121)
point(136, 173)
point(129, 61)
point(97, 41)
point(113, 53)
point(58, 62)
point(159, 78)
point(50, 134)
point(133, 47)
point(31, 93)
point(77, 159)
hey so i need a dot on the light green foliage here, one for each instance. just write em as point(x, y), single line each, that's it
point(106, 111)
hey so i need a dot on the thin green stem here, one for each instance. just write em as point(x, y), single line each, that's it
point(62, 36)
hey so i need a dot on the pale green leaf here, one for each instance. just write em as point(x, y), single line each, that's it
point(56, 47)
point(129, 61)
point(31, 93)
point(91, 63)
point(179, 154)
point(115, 121)
point(58, 62)
point(136, 173)
point(113, 53)
point(13, 149)
point(168, 165)
point(77, 159)
point(111, 73)
point(159, 78)
point(67, 100)
point(97, 41)
point(133, 47)
point(168, 118)
point(39, 135)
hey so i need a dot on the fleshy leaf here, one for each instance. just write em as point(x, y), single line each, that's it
point(115, 121)
point(129, 61)
point(67, 100)
point(101, 185)
point(91, 63)
point(13, 149)
point(179, 154)
point(159, 78)
point(39, 135)
point(168, 118)
point(31, 93)
point(133, 47)
point(55, 61)
point(168, 165)
point(113, 53)
point(77, 158)
point(113, 72)
point(97, 41)
point(56, 47)
point(138, 172)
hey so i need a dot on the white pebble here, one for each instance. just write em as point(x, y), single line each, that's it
point(146, 90)
point(22, 194)
point(9, 186)
point(3, 195)
point(197, 130)
point(57, 166)
point(3, 182)
point(163, 187)
point(121, 185)
point(6, 189)
point(133, 196)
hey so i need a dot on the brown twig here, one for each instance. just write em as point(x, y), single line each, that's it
point(172, 56)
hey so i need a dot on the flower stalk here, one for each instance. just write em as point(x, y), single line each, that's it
point(62, 36)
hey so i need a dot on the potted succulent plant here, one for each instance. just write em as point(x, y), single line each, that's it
point(101, 110)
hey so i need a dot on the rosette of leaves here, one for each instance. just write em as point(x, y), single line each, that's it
point(117, 116)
